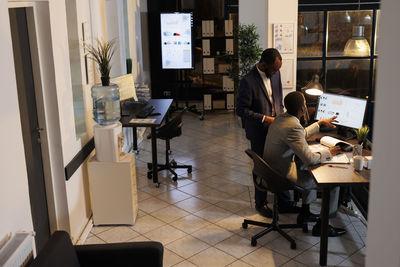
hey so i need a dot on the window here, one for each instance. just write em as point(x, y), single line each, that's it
point(322, 37)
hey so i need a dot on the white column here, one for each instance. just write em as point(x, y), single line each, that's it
point(384, 198)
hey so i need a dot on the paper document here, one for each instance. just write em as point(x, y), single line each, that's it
point(327, 142)
point(339, 158)
point(142, 120)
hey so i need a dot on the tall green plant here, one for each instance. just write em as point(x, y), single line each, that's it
point(248, 54)
point(102, 55)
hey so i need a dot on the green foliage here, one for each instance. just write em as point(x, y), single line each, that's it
point(249, 52)
point(362, 134)
point(102, 55)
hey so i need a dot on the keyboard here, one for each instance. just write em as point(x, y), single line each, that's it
point(144, 112)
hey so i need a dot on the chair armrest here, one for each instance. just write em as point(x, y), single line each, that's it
point(148, 254)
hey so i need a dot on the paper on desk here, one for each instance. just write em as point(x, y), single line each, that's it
point(339, 158)
point(142, 120)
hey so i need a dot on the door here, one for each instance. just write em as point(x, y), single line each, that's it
point(30, 125)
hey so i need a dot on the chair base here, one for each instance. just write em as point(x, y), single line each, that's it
point(170, 166)
point(274, 226)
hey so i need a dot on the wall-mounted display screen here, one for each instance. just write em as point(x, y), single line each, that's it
point(349, 110)
point(176, 40)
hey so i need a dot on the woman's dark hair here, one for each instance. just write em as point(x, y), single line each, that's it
point(293, 102)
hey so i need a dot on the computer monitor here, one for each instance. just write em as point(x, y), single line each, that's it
point(177, 40)
point(349, 110)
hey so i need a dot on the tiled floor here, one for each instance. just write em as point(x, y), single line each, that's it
point(198, 218)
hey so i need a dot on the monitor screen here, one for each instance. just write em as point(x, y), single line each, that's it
point(176, 40)
point(349, 110)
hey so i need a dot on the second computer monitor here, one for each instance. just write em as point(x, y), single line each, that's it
point(349, 110)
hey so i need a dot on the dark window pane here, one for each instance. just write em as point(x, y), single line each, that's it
point(348, 77)
point(310, 34)
point(306, 70)
point(340, 28)
point(373, 82)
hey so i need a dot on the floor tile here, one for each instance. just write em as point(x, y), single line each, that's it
point(185, 264)
point(94, 240)
point(192, 204)
point(190, 223)
point(98, 229)
point(139, 238)
point(118, 234)
point(236, 246)
point(233, 204)
point(187, 246)
point(212, 257)
point(169, 214)
point(153, 190)
point(293, 263)
point(143, 195)
point(170, 258)
point(146, 224)
point(213, 213)
point(165, 234)
point(232, 223)
point(239, 263)
point(213, 196)
point(194, 189)
point(311, 257)
point(152, 204)
point(212, 234)
point(265, 257)
point(282, 246)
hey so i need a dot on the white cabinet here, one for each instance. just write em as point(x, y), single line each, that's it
point(113, 191)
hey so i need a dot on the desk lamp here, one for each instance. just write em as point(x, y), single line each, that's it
point(313, 88)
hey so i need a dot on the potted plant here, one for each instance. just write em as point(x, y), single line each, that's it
point(106, 107)
point(249, 53)
point(361, 135)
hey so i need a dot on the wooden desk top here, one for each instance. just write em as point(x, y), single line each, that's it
point(160, 106)
point(325, 175)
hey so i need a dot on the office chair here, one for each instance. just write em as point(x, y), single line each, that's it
point(268, 179)
point(169, 130)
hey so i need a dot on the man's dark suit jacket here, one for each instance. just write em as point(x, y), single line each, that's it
point(253, 103)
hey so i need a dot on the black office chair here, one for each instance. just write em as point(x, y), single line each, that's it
point(169, 130)
point(267, 179)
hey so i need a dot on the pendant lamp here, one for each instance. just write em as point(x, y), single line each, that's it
point(357, 45)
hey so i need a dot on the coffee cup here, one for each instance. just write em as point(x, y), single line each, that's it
point(358, 163)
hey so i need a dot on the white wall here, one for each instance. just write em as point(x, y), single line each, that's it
point(15, 209)
point(254, 12)
point(384, 199)
point(263, 14)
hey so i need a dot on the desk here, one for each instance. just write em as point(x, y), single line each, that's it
point(327, 178)
point(160, 106)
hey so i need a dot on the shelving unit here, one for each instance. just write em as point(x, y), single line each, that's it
point(217, 40)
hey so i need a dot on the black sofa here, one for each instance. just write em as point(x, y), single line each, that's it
point(60, 252)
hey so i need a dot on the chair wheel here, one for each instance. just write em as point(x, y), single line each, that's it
point(175, 178)
point(149, 166)
point(305, 228)
point(253, 242)
point(158, 185)
point(201, 118)
point(190, 170)
point(293, 245)
point(149, 175)
point(244, 225)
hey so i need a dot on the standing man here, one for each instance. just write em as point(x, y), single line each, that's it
point(259, 101)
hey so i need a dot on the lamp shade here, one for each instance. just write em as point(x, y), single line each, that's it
point(314, 87)
point(357, 45)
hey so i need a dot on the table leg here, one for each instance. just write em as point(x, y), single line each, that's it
point(134, 132)
point(154, 154)
point(323, 250)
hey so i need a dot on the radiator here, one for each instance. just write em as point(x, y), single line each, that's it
point(18, 250)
